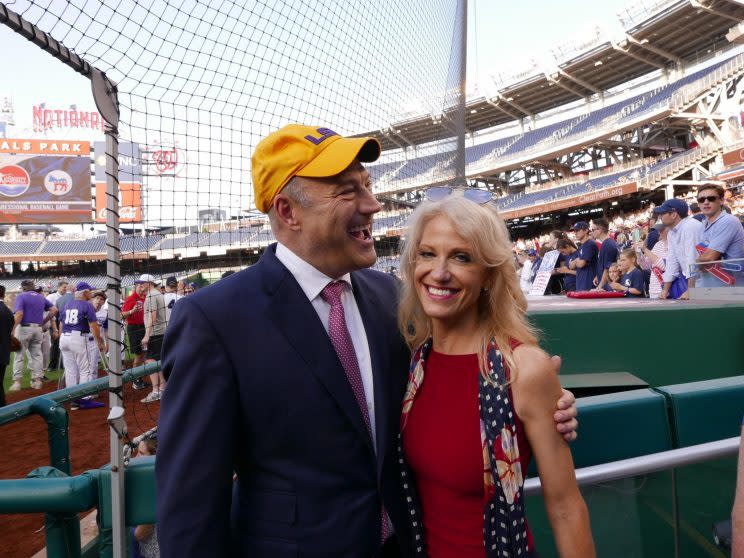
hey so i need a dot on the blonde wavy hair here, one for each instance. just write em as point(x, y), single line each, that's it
point(502, 309)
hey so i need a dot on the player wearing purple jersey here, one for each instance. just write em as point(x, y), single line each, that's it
point(78, 322)
point(29, 318)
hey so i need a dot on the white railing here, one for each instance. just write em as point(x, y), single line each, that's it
point(680, 164)
point(689, 92)
point(647, 464)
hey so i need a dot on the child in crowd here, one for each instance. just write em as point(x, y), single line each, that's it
point(614, 275)
point(632, 282)
point(145, 544)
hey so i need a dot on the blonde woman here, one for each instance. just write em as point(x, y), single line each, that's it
point(481, 394)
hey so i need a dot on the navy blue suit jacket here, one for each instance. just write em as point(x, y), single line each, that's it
point(255, 386)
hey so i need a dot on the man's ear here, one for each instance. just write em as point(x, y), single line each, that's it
point(286, 212)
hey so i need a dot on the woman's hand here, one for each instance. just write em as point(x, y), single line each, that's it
point(565, 415)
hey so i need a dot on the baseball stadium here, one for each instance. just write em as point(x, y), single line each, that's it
point(149, 185)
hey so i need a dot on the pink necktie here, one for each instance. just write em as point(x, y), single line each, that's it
point(341, 340)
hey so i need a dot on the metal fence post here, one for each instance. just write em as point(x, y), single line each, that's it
point(105, 95)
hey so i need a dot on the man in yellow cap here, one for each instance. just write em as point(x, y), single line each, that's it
point(300, 397)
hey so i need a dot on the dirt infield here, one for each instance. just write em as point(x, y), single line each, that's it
point(24, 446)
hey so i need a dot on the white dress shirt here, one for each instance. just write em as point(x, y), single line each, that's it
point(682, 254)
point(312, 282)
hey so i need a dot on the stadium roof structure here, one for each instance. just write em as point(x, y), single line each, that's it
point(676, 32)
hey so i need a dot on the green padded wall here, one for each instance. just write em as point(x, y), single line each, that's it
point(706, 411)
point(660, 343)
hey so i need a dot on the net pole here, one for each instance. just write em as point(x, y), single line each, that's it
point(462, 34)
point(105, 95)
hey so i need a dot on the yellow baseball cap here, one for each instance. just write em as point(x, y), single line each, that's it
point(309, 151)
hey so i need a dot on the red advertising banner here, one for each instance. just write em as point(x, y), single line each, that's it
point(733, 157)
point(45, 181)
point(130, 202)
point(573, 201)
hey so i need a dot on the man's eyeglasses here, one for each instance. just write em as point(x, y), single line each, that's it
point(439, 193)
point(703, 199)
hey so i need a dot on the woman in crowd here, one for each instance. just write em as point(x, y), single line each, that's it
point(655, 260)
point(470, 429)
point(632, 282)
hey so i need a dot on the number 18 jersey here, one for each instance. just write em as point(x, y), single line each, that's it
point(77, 316)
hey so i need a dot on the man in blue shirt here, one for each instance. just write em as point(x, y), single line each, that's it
point(585, 263)
point(722, 239)
point(607, 253)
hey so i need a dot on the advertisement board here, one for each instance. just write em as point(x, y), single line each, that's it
point(130, 202)
point(45, 181)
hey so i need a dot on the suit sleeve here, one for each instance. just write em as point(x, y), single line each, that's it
point(197, 430)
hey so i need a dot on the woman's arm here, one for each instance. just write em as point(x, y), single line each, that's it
point(535, 389)
point(737, 514)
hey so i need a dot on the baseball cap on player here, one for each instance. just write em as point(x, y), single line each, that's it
point(171, 281)
point(83, 286)
point(581, 225)
point(145, 278)
point(308, 151)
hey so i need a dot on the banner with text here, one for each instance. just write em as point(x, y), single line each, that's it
point(45, 181)
point(130, 202)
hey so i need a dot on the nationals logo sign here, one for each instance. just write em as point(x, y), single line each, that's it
point(14, 180)
point(164, 159)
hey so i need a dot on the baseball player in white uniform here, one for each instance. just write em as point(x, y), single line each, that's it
point(78, 321)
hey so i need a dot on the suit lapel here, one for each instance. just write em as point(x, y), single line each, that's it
point(296, 318)
point(371, 309)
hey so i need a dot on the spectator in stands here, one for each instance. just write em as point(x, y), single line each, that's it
point(152, 342)
point(536, 260)
point(585, 263)
point(683, 237)
point(607, 253)
point(653, 232)
point(655, 260)
point(722, 239)
point(613, 276)
point(132, 310)
point(632, 282)
point(28, 322)
point(181, 288)
point(171, 296)
point(6, 331)
point(54, 354)
point(696, 213)
point(568, 252)
point(145, 537)
point(525, 272)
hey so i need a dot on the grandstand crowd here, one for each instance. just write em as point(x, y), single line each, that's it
point(629, 253)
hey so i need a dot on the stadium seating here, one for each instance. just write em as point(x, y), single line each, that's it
point(562, 134)
point(19, 248)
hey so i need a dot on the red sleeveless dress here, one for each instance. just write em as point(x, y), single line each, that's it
point(442, 445)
